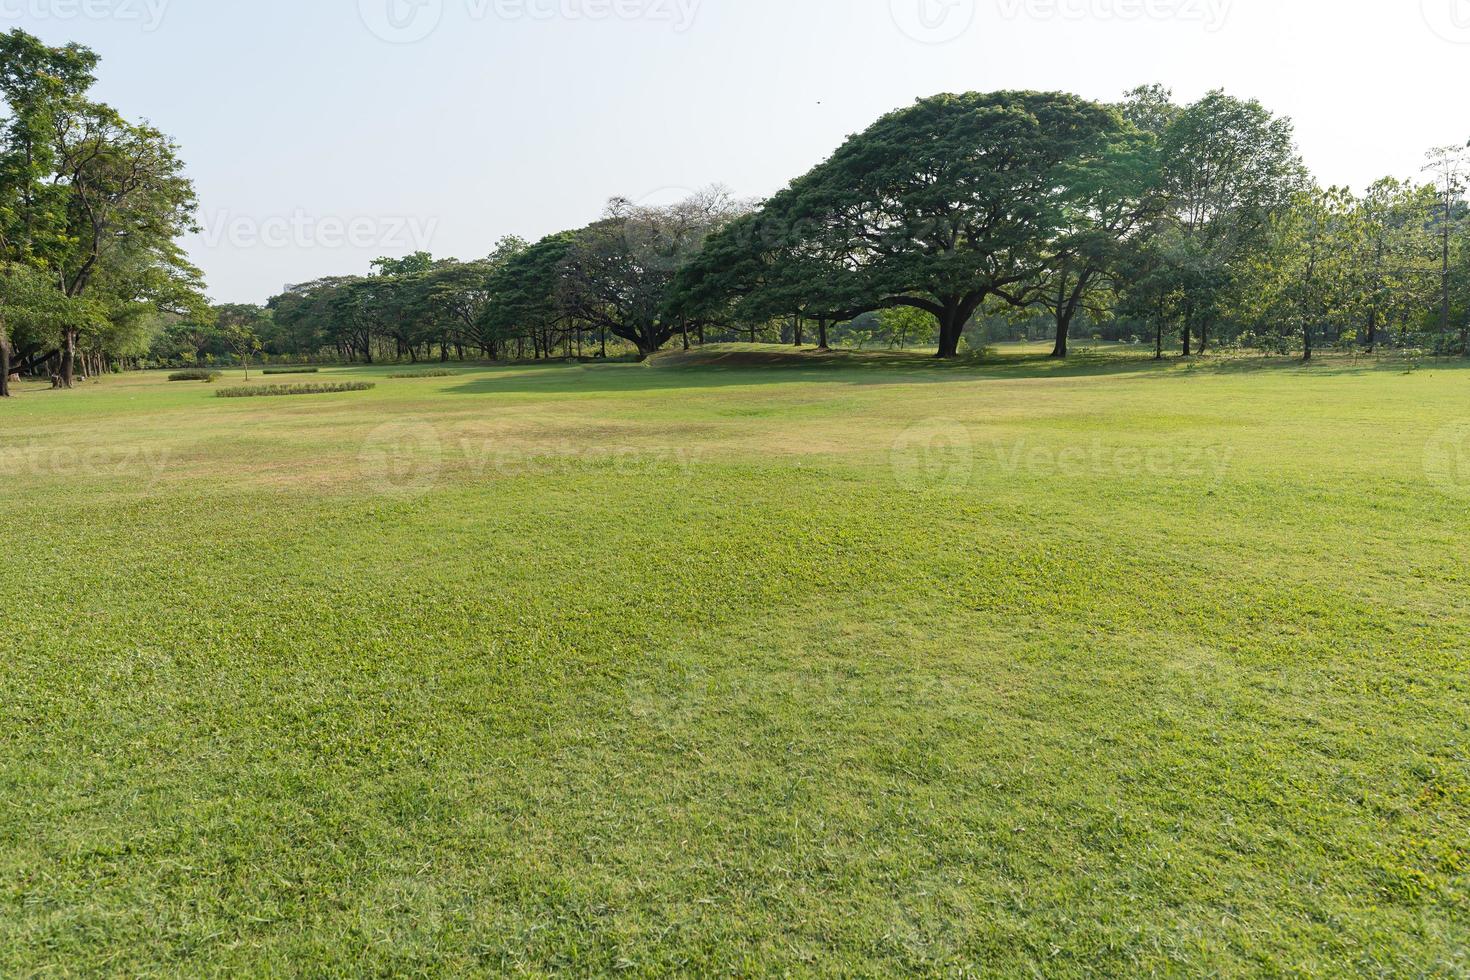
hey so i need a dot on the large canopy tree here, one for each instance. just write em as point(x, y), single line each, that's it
point(1229, 167)
point(1309, 270)
point(942, 206)
point(94, 201)
point(1113, 197)
point(1396, 257)
point(32, 315)
point(461, 293)
point(766, 265)
point(621, 273)
point(524, 290)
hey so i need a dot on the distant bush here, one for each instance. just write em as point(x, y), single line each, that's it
point(288, 370)
point(276, 391)
point(208, 377)
point(1269, 343)
point(1410, 359)
point(421, 374)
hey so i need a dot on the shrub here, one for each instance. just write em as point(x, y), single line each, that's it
point(1410, 359)
point(421, 374)
point(288, 370)
point(197, 374)
point(275, 391)
point(1269, 343)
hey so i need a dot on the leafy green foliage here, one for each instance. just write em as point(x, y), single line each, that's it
point(524, 292)
point(93, 202)
point(199, 374)
point(940, 206)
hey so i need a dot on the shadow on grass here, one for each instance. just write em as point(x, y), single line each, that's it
point(746, 365)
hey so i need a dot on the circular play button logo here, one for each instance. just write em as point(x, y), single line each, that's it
point(1450, 19)
point(933, 21)
point(401, 21)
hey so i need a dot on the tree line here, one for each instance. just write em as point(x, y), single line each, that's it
point(91, 210)
point(1193, 225)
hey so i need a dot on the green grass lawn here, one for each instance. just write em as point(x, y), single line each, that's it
point(741, 663)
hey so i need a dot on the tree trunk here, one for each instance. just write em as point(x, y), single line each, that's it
point(1445, 302)
point(822, 334)
point(798, 334)
point(603, 339)
point(951, 331)
point(4, 364)
point(68, 358)
point(1307, 342)
point(1064, 333)
point(1159, 334)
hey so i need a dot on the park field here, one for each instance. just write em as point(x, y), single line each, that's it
point(743, 662)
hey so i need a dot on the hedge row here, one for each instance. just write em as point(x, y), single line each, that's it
point(276, 391)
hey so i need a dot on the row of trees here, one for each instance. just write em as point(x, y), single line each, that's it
point(612, 281)
point(1189, 220)
point(1193, 224)
point(91, 210)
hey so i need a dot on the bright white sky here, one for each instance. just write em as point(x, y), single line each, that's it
point(318, 145)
